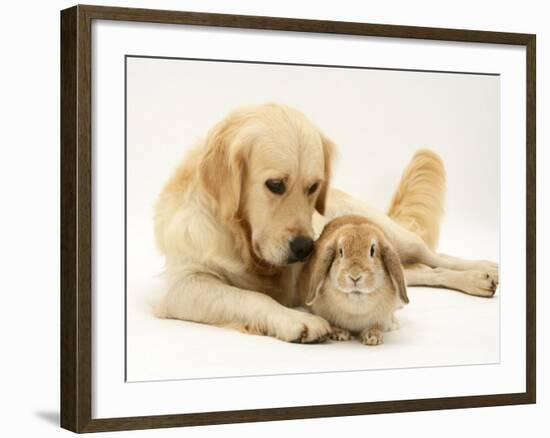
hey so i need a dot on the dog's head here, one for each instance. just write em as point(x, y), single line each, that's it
point(267, 168)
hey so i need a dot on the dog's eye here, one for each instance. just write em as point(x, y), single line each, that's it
point(312, 189)
point(276, 186)
point(372, 250)
point(341, 251)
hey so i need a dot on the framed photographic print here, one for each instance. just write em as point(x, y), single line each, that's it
point(271, 218)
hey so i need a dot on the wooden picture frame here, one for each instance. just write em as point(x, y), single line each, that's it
point(76, 217)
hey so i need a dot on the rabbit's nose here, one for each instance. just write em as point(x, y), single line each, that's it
point(355, 279)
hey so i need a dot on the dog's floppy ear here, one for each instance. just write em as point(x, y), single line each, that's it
point(329, 149)
point(395, 271)
point(222, 169)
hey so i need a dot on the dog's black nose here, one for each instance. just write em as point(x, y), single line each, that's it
point(301, 247)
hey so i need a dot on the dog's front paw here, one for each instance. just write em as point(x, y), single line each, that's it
point(300, 327)
point(371, 336)
point(340, 334)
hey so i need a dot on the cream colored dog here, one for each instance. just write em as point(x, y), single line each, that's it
point(237, 217)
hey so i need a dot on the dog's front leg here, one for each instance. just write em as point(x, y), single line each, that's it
point(205, 298)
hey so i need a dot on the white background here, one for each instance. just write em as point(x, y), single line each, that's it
point(30, 164)
point(378, 118)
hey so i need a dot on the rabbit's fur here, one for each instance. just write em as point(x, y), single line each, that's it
point(354, 280)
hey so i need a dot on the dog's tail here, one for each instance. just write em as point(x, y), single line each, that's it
point(418, 202)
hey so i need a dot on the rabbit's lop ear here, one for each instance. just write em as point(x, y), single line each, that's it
point(393, 266)
point(318, 268)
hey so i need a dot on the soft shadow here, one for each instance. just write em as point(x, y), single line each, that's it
point(51, 417)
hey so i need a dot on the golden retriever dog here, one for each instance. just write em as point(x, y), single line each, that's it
point(241, 212)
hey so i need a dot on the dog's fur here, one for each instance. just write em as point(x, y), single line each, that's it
point(225, 236)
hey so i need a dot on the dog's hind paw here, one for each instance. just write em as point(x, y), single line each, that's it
point(480, 283)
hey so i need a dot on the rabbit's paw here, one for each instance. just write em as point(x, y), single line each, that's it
point(340, 334)
point(371, 336)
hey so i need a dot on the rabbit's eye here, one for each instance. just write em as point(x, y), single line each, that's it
point(372, 250)
point(341, 251)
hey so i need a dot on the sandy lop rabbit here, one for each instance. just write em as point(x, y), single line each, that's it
point(354, 280)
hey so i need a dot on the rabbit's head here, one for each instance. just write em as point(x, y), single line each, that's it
point(356, 258)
